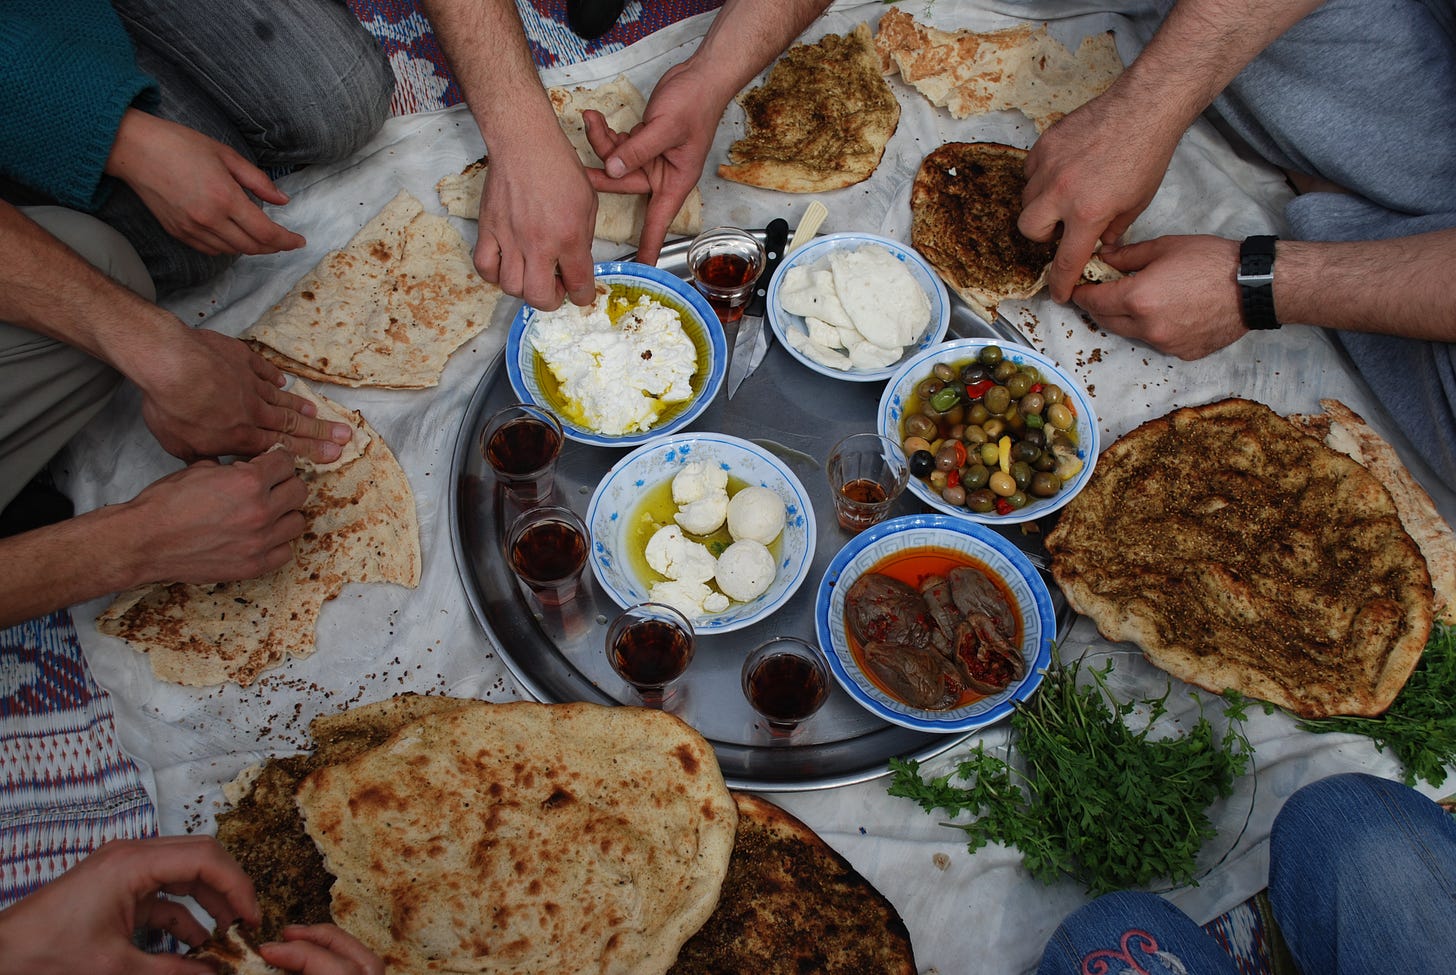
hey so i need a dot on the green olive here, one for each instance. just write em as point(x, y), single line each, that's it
point(920, 425)
point(1025, 451)
point(1018, 384)
point(990, 454)
point(1053, 393)
point(1045, 484)
point(990, 355)
point(1018, 499)
point(1015, 422)
point(975, 435)
point(1021, 474)
point(955, 416)
point(945, 398)
point(1047, 461)
point(994, 427)
point(1002, 483)
point(978, 413)
point(943, 371)
point(1037, 438)
point(1060, 417)
point(997, 398)
point(927, 388)
point(981, 501)
point(1032, 404)
point(1004, 370)
point(975, 476)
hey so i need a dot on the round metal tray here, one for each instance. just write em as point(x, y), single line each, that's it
point(558, 655)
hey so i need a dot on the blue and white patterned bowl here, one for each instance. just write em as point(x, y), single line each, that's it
point(820, 248)
point(621, 492)
point(524, 368)
point(901, 388)
point(907, 533)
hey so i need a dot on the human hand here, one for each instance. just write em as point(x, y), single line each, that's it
point(83, 921)
point(537, 217)
point(194, 186)
point(663, 156)
point(321, 949)
point(205, 394)
point(1179, 295)
point(215, 523)
point(1093, 173)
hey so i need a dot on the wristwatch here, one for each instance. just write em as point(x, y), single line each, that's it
point(1256, 281)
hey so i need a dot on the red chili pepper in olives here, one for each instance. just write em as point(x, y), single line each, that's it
point(978, 389)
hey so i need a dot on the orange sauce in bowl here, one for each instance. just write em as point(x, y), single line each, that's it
point(913, 567)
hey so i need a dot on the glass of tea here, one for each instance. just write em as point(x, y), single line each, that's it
point(786, 680)
point(725, 264)
point(521, 444)
point(547, 547)
point(649, 646)
point(866, 472)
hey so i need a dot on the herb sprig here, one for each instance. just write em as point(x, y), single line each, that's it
point(1419, 727)
point(1111, 806)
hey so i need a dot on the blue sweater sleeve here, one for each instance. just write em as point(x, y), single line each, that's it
point(67, 74)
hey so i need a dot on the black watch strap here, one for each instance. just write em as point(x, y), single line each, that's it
point(1256, 282)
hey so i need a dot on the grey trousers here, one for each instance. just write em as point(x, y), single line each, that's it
point(49, 390)
point(284, 82)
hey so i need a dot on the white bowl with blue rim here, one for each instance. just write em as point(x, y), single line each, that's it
point(532, 381)
point(899, 395)
point(619, 499)
point(819, 250)
point(982, 547)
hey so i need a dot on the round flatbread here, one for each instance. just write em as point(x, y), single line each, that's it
point(526, 838)
point(1241, 553)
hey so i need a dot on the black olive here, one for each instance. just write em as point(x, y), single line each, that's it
point(922, 462)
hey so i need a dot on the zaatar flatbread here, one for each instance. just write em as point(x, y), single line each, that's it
point(526, 838)
point(362, 527)
point(619, 215)
point(791, 904)
point(1022, 68)
point(232, 951)
point(386, 310)
point(820, 121)
point(1342, 429)
point(964, 205)
point(1239, 552)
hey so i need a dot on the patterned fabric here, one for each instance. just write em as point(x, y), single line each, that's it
point(67, 786)
point(423, 79)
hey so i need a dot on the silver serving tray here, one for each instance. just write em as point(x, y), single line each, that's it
point(558, 656)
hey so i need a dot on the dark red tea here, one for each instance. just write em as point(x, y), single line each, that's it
point(786, 687)
point(865, 491)
point(548, 552)
point(650, 653)
point(520, 448)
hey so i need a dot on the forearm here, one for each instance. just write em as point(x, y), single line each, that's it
point(485, 43)
point(50, 289)
point(68, 563)
point(1402, 286)
point(745, 36)
point(1200, 47)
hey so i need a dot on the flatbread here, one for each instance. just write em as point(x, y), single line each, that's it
point(791, 904)
point(232, 951)
point(263, 829)
point(526, 838)
point(964, 205)
point(386, 310)
point(619, 215)
point(1240, 553)
point(1342, 429)
point(362, 527)
point(1022, 68)
point(820, 121)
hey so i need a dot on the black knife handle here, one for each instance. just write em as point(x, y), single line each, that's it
point(776, 238)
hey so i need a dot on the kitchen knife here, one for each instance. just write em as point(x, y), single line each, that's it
point(751, 343)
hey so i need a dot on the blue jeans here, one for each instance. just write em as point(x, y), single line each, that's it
point(1362, 878)
point(284, 82)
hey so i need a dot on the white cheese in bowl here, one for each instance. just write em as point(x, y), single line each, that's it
point(618, 363)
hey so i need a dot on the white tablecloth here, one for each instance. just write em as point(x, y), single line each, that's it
point(979, 913)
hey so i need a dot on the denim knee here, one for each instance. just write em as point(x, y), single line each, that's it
point(1132, 930)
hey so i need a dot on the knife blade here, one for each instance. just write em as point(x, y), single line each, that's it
point(750, 344)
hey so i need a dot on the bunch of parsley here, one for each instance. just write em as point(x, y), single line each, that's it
point(1111, 807)
point(1419, 727)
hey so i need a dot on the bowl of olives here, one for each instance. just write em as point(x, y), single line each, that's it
point(999, 434)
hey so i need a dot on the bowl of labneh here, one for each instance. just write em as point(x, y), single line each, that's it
point(935, 623)
point(993, 432)
point(854, 306)
point(644, 360)
point(713, 525)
